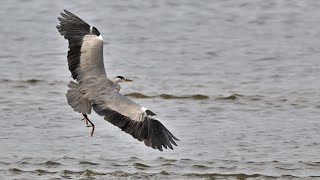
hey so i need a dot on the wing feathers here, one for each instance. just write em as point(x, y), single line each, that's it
point(150, 130)
point(80, 58)
point(77, 100)
point(73, 16)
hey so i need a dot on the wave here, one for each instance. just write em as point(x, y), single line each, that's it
point(88, 163)
point(27, 81)
point(168, 96)
point(51, 164)
point(226, 176)
point(136, 169)
point(200, 167)
point(140, 166)
point(7, 56)
point(144, 175)
point(30, 82)
point(33, 81)
point(231, 97)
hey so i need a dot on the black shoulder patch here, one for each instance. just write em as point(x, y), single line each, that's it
point(150, 113)
point(95, 31)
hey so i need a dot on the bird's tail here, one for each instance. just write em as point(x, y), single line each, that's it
point(76, 100)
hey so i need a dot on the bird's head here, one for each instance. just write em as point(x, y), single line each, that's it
point(121, 79)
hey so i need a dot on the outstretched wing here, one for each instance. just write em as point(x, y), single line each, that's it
point(126, 114)
point(85, 55)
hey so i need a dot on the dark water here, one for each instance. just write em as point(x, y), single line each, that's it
point(236, 81)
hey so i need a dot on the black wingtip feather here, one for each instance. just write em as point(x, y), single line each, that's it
point(73, 29)
point(150, 130)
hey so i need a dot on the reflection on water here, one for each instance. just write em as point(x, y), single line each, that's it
point(236, 81)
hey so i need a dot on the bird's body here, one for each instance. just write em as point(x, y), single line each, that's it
point(92, 89)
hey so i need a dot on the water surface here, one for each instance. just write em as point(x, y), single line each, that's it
point(236, 81)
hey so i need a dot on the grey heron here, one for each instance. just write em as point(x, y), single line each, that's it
point(92, 89)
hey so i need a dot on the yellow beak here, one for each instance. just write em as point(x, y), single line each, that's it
point(127, 80)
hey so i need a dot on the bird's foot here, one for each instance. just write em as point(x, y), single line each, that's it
point(87, 121)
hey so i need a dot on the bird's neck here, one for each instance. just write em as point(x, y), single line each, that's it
point(116, 83)
point(116, 80)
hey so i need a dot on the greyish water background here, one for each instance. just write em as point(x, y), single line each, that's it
point(256, 63)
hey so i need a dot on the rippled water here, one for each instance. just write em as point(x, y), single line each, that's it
point(236, 81)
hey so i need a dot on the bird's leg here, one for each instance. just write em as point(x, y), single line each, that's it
point(86, 119)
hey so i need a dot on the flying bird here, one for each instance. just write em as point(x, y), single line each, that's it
point(91, 89)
